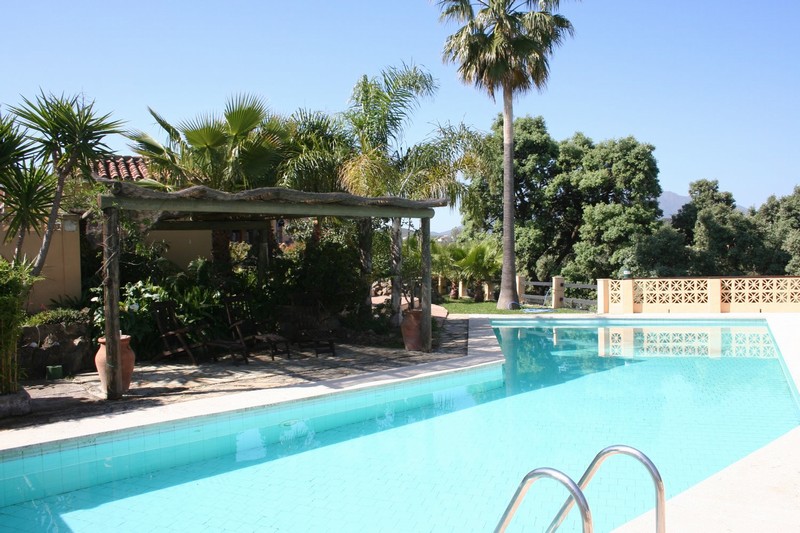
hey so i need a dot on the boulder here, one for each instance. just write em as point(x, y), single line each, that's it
point(16, 404)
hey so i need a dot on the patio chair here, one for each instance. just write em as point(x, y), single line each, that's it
point(303, 326)
point(249, 334)
point(174, 334)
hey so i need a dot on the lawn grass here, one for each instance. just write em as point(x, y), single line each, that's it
point(465, 306)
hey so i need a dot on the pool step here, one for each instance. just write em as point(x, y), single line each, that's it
point(576, 490)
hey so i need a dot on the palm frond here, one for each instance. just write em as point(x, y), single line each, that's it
point(28, 193)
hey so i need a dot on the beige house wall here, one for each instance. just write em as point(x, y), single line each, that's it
point(183, 246)
point(62, 270)
point(699, 295)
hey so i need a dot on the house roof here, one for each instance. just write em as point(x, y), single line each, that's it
point(124, 168)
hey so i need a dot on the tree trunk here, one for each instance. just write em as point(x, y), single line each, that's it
point(508, 298)
point(38, 263)
point(111, 250)
point(364, 226)
point(18, 246)
point(397, 264)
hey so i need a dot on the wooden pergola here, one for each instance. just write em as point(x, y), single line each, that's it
point(213, 209)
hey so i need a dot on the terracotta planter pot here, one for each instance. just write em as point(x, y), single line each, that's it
point(127, 359)
point(411, 329)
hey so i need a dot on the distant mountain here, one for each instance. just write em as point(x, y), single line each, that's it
point(670, 203)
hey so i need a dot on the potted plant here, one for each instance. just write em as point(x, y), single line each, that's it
point(15, 282)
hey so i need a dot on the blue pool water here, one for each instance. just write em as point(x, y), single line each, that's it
point(436, 454)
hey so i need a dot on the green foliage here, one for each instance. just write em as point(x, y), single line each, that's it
point(15, 281)
point(662, 254)
point(28, 193)
point(324, 274)
point(577, 202)
point(67, 134)
point(59, 315)
point(238, 150)
point(135, 315)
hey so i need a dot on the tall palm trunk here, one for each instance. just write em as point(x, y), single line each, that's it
point(508, 291)
point(397, 265)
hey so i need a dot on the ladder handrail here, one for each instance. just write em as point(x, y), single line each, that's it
point(534, 475)
point(595, 464)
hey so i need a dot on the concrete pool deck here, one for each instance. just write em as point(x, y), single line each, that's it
point(758, 493)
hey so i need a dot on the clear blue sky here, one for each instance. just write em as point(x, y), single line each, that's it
point(713, 84)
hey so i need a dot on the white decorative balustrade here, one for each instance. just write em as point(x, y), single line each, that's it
point(699, 295)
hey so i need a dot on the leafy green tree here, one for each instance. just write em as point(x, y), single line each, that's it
point(728, 242)
point(506, 45)
point(779, 220)
point(68, 135)
point(703, 194)
point(661, 254)
point(618, 185)
point(724, 241)
point(535, 158)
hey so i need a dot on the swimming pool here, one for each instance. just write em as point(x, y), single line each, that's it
point(694, 400)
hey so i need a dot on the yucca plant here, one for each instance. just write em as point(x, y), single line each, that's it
point(28, 196)
point(67, 134)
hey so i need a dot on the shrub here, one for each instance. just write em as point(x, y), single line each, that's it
point(135, 315)
point(60, 315)
point(15, 282)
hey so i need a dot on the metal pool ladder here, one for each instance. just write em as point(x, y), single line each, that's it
point(576, 490)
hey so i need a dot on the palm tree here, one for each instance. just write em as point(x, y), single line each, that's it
point(505, 44)
point(241, 149)
point(379, 109)
point(481, 264)
point(68, 135)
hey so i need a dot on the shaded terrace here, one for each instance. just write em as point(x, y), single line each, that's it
point(203, 208)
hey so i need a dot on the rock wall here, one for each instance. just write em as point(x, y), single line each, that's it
point(55, 344)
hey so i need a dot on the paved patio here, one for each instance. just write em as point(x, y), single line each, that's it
point(162, 384)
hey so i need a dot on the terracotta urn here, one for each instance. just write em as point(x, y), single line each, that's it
point(411, 329)
point(127, 360)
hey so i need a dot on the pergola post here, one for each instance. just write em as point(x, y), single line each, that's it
point(425, 297)
point(111, 301)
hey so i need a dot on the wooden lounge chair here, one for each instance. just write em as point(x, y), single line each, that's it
point(249, 334)
point(174, 335)
point(302, 325)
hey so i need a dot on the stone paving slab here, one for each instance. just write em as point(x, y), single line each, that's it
point(162, 384)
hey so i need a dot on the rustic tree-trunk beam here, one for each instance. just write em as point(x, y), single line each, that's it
point(425, 297)
point(111, 250)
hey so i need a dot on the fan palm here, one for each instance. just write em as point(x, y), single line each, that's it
point(506, 45)
point(241, 149)
point(236, 151)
